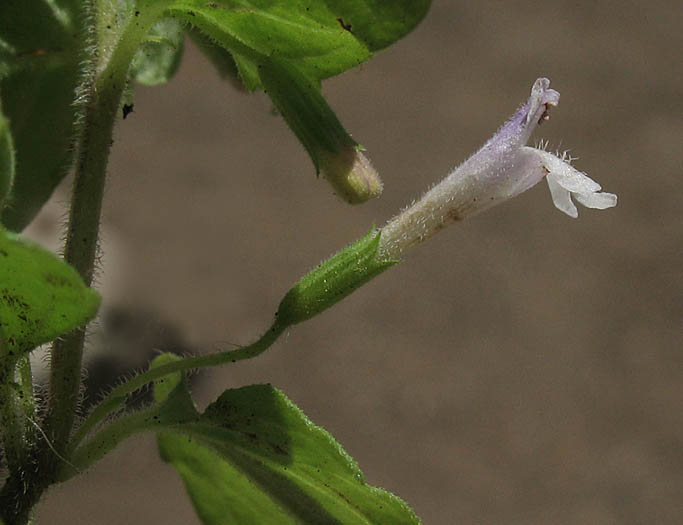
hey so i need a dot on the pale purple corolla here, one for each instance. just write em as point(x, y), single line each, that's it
point(503, 168)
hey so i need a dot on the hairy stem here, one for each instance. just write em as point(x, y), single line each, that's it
point(27, 397)
point(109, 437)
point(82, 234)
point(116, 398)
point(11, 425)
point(103, 93)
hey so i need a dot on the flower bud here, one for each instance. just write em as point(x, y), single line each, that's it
point(351, 174)
point(333, 151)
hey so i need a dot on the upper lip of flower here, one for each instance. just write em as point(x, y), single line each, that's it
point(541, 97)
point(523, 123)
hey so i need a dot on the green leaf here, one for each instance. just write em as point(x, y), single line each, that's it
point(333, 280)
point(313, 34)
point(379, 23)
point(157, 60)
point(254, 457)
point(251, 457)
point(6, 159)
point(247, 71)
point(220, 57)
point(219, 492)
point(41, 297)
point(41, 41)
point(165, 387)
point(308, 34)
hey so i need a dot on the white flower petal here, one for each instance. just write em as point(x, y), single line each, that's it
point(598, 201)
point(541, 97)
point(561, 197)
point(567, 176)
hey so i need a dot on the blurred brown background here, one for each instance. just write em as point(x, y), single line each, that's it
point(521, 367)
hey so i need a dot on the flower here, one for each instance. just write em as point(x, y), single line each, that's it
point(503, 168)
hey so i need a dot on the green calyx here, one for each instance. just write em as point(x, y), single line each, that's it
point(333, 280)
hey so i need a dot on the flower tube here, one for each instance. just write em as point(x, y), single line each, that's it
point(503, 168)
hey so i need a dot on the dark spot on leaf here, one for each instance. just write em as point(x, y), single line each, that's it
point(343, 496)
point(278, 449)
point(3, 252)
point(33, 52)
point(137, 13)
point(346, 27)
point(14, 301)
point(251, 436)
point(57, 280)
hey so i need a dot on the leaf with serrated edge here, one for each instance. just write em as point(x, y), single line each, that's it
point(254, 445)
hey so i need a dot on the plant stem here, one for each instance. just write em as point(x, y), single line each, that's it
point(80, 249)
point(103, 92)
point(116, 398)
point(109, 437)
point(84, 219)
point(11, 425)
point(27, 399)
